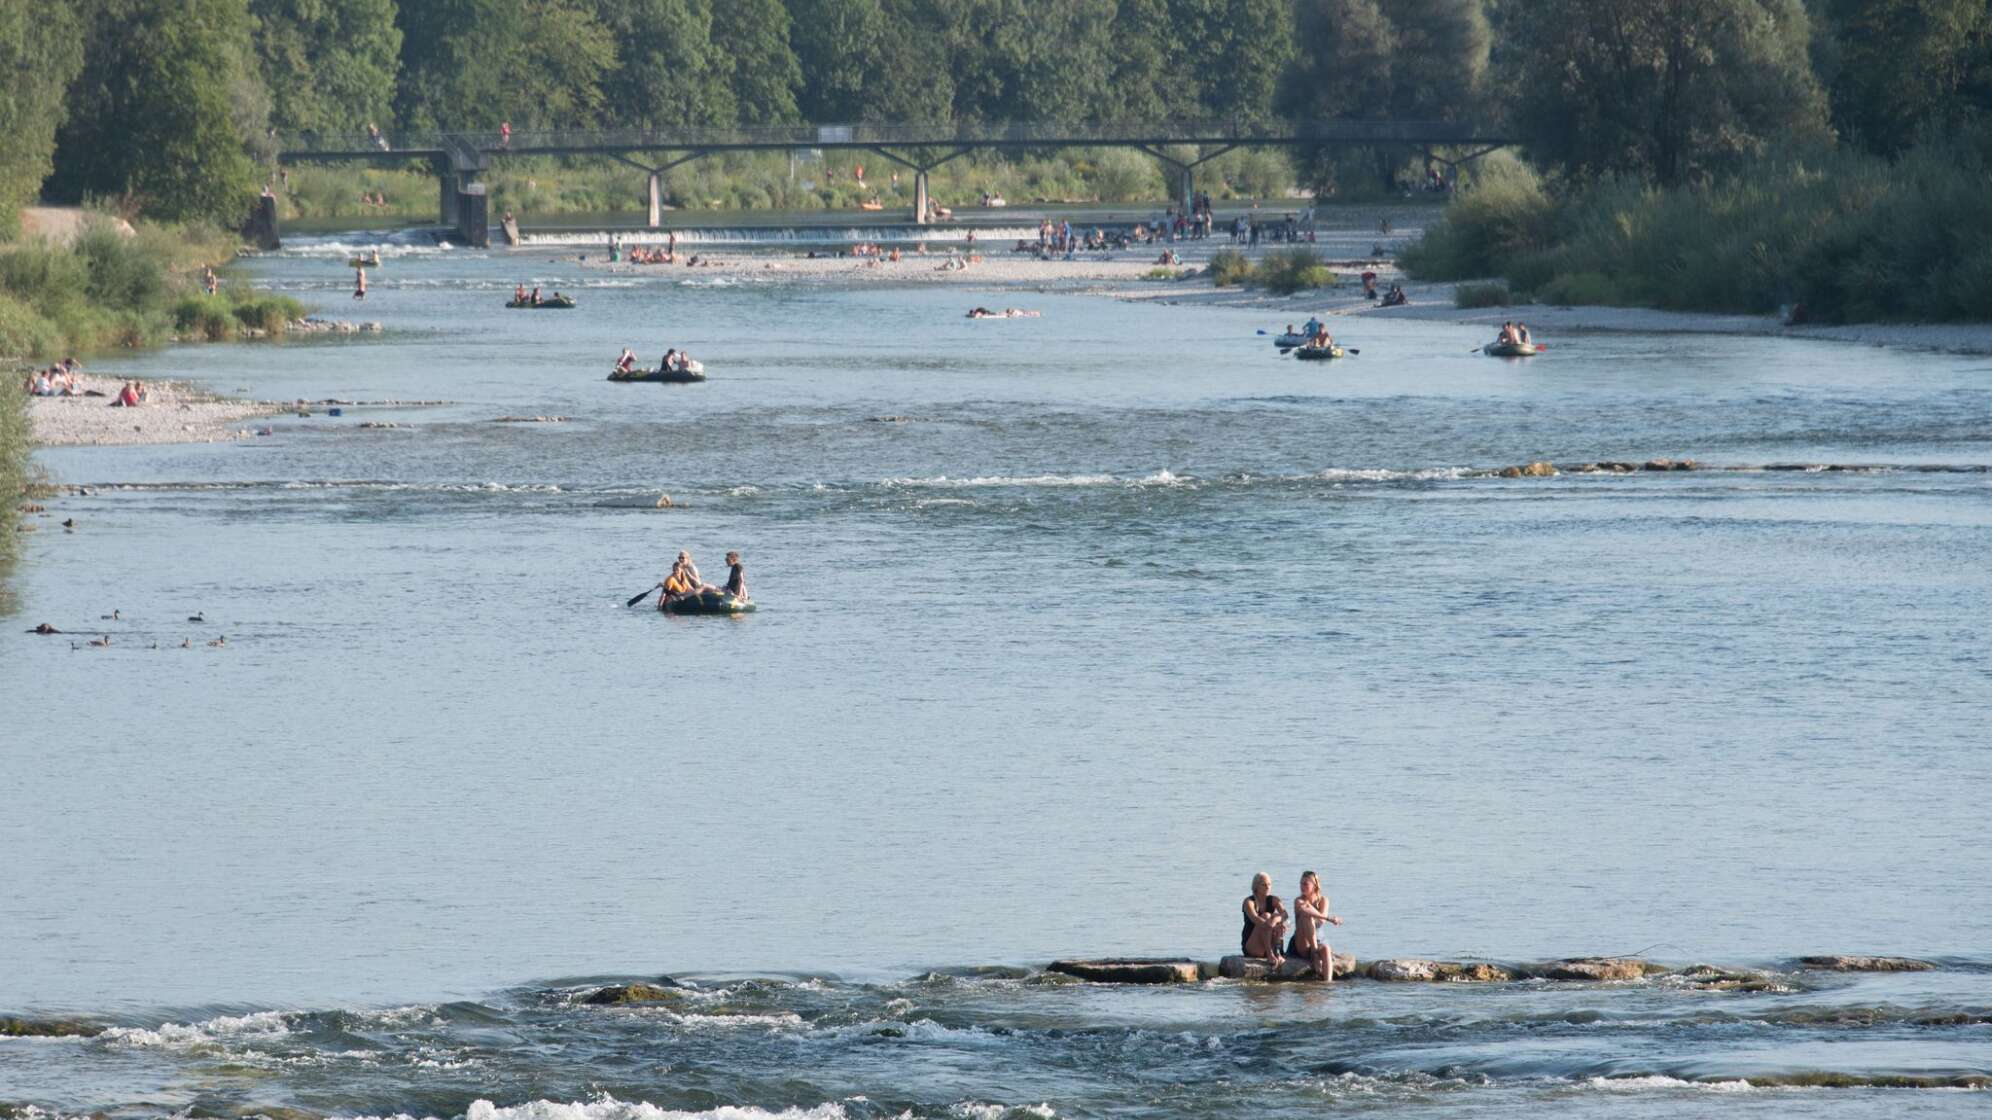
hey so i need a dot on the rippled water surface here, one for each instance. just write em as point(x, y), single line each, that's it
point(1068, 626)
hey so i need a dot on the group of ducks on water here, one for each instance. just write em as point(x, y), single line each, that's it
point(103, 641)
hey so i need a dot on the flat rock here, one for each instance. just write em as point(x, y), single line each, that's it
point(1132, 970)
point(1406, 969)
point(1865, 964)
point(1237, 967)
point(1712, 978)
point(631, 993)
point(1474, 972)
point(1597, 969)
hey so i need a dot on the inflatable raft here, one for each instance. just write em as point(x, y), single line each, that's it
point(1289, 341)
point(1510, 349)
point(706, 602)
point(1319, 353)
point(558, 303)
point(691, 374)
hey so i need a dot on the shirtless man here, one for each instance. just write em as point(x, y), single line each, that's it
point(736, 578)
point(1265, 922)
point(1310, 909)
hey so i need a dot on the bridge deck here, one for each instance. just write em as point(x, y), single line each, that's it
point(471, 148)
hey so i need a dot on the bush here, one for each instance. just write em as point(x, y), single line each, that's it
point(268, 313)
point(1504, 213)
point(204, 316)
point(1228, 267)
point(1294, 270)
point(1469, 296)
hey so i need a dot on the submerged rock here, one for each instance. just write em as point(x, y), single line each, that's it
point(633, 993)
point(1238, 967)
point(1132, 970)
point(1709, 977)
point(47, 1028)
point(1475, 972)
point(1597, 969)
point(1537, 469)
point(1865, 964)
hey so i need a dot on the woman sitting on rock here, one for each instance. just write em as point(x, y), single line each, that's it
point(1265, 922)
point(1310, 908)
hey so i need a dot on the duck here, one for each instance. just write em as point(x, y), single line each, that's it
point(114, 616)
point(69, 523)
point(101, 643)
point(219, 642)
point(197, 616)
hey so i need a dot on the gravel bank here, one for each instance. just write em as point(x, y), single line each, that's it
point(175, 413)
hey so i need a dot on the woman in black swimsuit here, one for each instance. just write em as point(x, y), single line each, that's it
point(1265, 922)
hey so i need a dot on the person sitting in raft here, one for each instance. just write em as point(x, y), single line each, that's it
point(669, 364)
point(1395, 297)
point(1321, 339)
point(627, 361)
point(683, 580)
point(1265, 922)
point(736, 577)
point(534, 299)
point(981, 313)
point(1522, 334)
point(1310, 911)
point(1507, 335)
point(519, 294)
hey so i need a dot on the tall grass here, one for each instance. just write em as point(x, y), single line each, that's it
point(1293, 270)
point(111, 289)
point(13, 463)
point(1853, 237)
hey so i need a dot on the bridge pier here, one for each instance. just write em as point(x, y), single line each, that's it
point(923, 208)
point(655, 176)
point(448, 209)
point(1186, 169)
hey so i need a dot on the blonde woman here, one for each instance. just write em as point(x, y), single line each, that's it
point(1310, 908)
point(1265, 922)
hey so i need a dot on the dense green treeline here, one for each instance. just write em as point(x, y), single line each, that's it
point(170, 107)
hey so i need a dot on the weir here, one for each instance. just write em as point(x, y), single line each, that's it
point(459, 158)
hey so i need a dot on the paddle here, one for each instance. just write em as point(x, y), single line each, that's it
point(642, 595)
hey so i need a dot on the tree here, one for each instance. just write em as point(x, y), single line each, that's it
point(1905, 65)
point(329, 65)
point(1021, 60)
point(1149, 77)
point(1344, 71)
point(475, 63)
point(837, 44)
point(40, 52)
point(167, 100)
point(1667, 90)
point(668, 72)
point(753, 36)
point(1239, 48)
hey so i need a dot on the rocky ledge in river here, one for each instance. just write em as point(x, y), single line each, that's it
point(1865, 964)
point(1133, 970)
point(1412, 969)
point(1237, 967)
point(619, 994)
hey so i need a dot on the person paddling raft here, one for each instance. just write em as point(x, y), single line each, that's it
point(627, 361)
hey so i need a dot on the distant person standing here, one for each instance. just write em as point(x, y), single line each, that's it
point(505, 135)
point(359, 283)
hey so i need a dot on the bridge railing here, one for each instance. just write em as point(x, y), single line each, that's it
point(862, 135)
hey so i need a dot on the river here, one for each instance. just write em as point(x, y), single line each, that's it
point(1067, 626)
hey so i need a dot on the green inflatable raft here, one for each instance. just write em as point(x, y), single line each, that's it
point(706, 602)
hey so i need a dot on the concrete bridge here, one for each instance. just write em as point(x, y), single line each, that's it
point(460, 158)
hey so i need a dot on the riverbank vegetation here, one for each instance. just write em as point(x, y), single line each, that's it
point(1738, 156)
point(112, 288)
point(1282, 272)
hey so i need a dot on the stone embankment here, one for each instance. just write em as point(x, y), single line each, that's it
point(1408, 970)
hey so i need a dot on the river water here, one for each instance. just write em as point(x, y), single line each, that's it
point(1068, 626)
